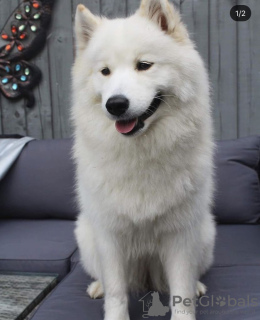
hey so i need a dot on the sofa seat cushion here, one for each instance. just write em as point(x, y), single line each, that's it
point(75, 258)
point(234, 279)
point(237, 245)
point(70, 301)
point(36, 246)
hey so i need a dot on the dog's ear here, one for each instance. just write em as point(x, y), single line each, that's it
point(163, 13)
point(85, 25)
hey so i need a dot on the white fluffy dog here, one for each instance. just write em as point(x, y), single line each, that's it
point(143, 149)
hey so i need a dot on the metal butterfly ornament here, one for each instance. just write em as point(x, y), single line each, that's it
point(21, 39)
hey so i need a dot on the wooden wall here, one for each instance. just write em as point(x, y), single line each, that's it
point(230, 49)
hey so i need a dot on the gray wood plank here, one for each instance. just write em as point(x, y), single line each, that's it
point(13, 113)
point(231, 50)
point(92, 5)
point(133, 5)
point(60, 50)
point(195, 15)
point(177, 3)
point(113, 8)
point(223, 68)
point(39, 119)
point(249, 72)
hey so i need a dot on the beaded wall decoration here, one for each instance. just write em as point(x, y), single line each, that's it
point(21, 39)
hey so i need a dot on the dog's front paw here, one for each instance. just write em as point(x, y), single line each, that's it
point(201, 289)
point(95, 290)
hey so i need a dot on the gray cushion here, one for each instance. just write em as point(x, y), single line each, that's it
point(36, 246)
point(238, 192)
point(235, 273)
point(237, 245)
point(75, 258)
point(40, 184)
point(236, 282)
point(70, 301)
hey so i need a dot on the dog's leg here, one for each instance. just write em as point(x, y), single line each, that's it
point(88, 252)
point(180, 263)
point(113, 277)
point(89, 255)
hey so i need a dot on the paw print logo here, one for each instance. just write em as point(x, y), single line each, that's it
point(221, 301)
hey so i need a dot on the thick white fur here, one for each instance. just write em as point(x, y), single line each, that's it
point(145, 201)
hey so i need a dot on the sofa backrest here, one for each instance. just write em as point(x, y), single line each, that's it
point(237, 197)
point(41, 182)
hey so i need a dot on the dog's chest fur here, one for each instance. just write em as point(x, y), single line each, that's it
point(130, 185)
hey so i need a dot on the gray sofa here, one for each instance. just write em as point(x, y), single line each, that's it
point(38, 211)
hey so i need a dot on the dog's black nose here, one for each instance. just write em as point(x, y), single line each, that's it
point(117, 105)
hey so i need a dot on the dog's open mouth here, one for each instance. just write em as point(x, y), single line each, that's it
point(131, 126)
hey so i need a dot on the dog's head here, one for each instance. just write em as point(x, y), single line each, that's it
point(135, 67)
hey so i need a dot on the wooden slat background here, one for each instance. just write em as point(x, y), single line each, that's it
point(231, 51)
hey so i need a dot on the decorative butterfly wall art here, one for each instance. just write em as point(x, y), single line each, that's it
point(21, 39)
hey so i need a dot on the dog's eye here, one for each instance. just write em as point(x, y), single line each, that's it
point(105, 71)
point(143, 65)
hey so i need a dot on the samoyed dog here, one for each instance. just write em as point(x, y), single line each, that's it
point(143, 150)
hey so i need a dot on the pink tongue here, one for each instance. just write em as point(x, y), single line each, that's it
point(125, 126)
